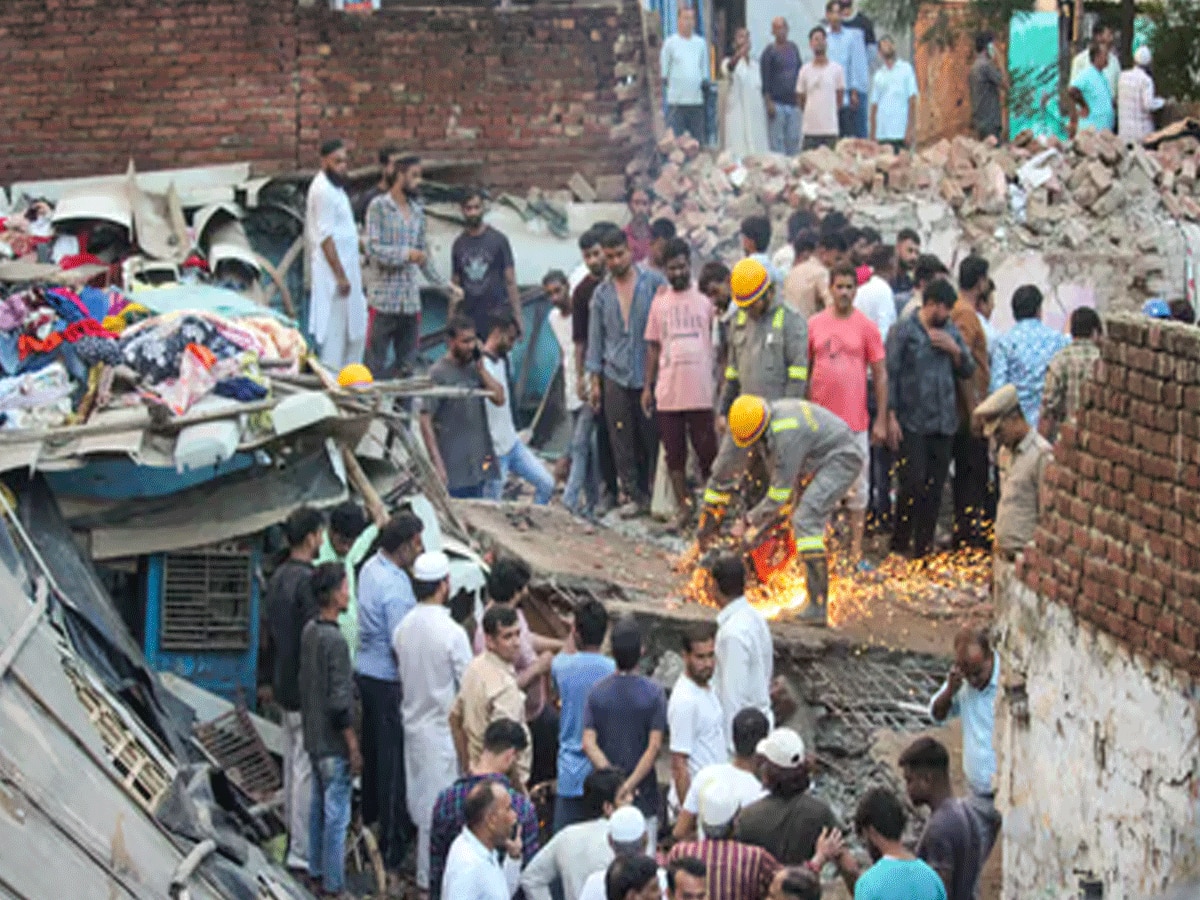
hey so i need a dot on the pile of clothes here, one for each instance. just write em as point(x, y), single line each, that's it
point(68, 354)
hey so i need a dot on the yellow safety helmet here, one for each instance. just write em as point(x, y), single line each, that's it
point(748, 281)
point(748, 418)
point(355, 375)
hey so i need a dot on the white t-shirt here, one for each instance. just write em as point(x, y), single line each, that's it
point(560, 325)
point(877, 302)
point(819, 85)
point(697, 727)
point(685, 69)
point(743, 785)
point(499, 418)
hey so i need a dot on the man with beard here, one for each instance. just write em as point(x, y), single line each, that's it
point(398, 249)
point(695, 721)
point(616, 363)
point(926, 356)
point(893, 99)
point(455, 429)
point(908, 249)
point(338, 308)
point(483, 266)
point(897, 874)
point(389, 156)
point(679, 372)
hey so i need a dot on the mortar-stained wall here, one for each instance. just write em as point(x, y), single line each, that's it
point(1103, 777)
point(534, 94)
point(1102, 624)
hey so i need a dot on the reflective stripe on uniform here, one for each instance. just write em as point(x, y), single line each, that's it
point(799, 372)
point(777, 321)
point(716, 498)
point(789, 424)
point(731, 374)
point(779, 494)
point(810, 544)
point(809, 417)
point(741, 317)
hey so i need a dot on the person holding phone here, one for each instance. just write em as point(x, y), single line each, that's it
point(455, 429)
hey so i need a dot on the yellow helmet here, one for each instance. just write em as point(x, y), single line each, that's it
point(748, 418)
point(748, 281)
point(355, 375)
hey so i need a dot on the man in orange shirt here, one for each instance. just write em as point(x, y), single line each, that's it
point(972, 516)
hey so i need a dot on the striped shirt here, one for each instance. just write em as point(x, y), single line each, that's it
point(736, 871)
point(391, 235)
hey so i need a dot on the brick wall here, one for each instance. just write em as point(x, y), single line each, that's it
point(1119, 542)
point(531, 93)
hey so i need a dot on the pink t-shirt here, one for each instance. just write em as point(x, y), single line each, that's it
point(839, 352)
point(681, 323)
point(819, 85)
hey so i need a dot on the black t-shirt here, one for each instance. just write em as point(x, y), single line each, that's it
point(581, 308)
point(480, 261)
point(952, 846)
point(787, 828)
point(863, 24)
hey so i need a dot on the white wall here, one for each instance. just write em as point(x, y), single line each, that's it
point(1105, 775)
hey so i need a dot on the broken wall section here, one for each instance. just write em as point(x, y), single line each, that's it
point(1099, 764)
point(1097, 780)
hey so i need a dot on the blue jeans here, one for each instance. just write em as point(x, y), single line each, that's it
point(474, 492)
point(783, 131)
point(328, 821)
point(584, 480)
point(522, 461)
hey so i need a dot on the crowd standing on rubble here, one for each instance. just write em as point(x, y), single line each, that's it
point(844, 374)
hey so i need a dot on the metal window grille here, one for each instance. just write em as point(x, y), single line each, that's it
point(206, 600)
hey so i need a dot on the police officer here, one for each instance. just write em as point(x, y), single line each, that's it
point(1000, 417)
point(795, 439)
point(768, 341)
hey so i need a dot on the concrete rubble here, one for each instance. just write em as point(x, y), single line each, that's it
point(1094, 209)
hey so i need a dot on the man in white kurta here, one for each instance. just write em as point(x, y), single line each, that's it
point(337, 312)
point(432, 651)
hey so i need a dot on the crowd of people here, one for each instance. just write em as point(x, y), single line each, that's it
point(854, 85)
point(452, 742)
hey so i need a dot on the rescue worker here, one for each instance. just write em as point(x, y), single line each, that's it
point(1000, 417)
point(795, 439)
point(768, 341)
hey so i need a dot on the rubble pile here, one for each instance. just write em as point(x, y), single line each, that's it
point(1093, 196)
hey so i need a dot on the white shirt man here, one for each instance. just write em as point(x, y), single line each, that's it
point(338, 309)
point(473, 867)
point(696, 724)
point(432, 651)
point(877, 301)
point(1136, 100)
point(745, 661)
point(742, 785)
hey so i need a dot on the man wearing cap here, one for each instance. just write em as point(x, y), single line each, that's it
point(338, 307)
point(790, 823)
point(736, 871)
point(578, 850)
point(1136, 100)
point(768, 342)
point(627, 836)
point(1000, 417)
point(796, 439)
point(433, 653)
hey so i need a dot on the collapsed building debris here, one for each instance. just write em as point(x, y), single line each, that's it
point(1098, 213)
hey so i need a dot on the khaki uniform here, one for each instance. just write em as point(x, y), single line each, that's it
point(801, 439)
point(489, 692)
point(1017, 511)
point(768, 357)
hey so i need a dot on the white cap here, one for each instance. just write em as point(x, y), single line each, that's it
point(1141, 56)
point(783, 747)
point(432, 565)
point(718, 804)
point(627, 825)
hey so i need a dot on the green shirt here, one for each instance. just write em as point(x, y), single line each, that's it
point(348, 621)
